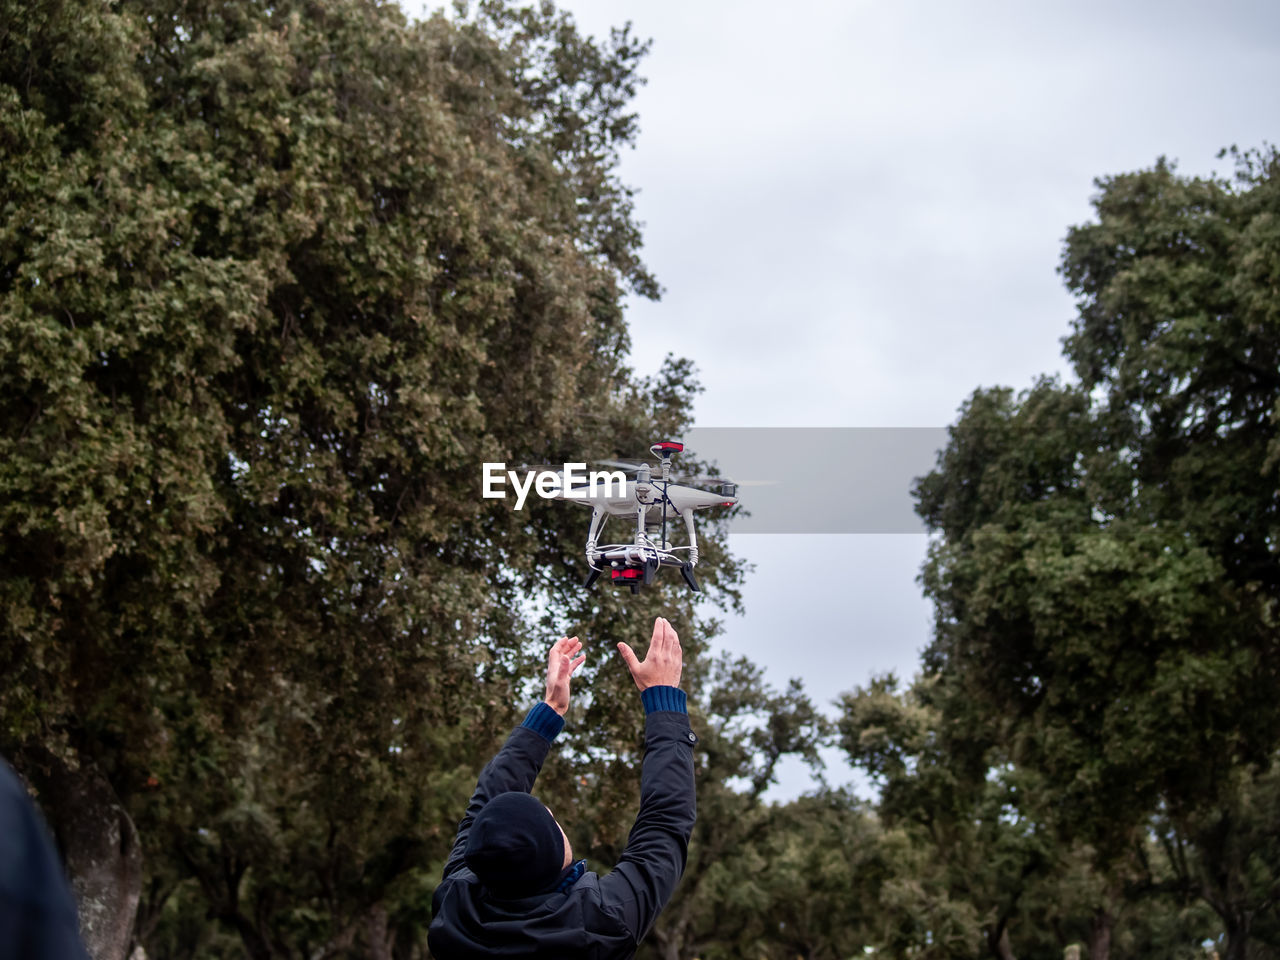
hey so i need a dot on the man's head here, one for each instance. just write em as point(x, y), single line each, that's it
point(516, 847)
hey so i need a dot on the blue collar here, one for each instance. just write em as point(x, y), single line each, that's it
point(572, 876)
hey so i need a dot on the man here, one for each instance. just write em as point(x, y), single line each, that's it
point(511, 887)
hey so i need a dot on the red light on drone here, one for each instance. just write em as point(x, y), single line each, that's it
point(669, 445)
point(628, 574)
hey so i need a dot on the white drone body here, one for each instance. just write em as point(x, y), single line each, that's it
point(650, 504)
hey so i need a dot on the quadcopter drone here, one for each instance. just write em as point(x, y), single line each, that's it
point(649, 503)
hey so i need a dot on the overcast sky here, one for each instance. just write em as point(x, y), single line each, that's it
point(857, 210)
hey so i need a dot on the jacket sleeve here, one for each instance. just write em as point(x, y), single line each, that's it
point(651, 865)
point(514, 767)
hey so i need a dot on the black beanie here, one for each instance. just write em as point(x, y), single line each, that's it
point(515, 846)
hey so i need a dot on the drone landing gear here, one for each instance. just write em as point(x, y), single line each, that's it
point(686, 571)
point(650, 571)
point(592, 577)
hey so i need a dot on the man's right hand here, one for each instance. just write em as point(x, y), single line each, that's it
point(662, 664)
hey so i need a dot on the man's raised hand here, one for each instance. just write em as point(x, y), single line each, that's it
point(662, 664)
point(560, 665)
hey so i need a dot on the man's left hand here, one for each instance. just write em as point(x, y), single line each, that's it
point(560, 665)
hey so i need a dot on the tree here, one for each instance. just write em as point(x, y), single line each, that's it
point(974, 864)
point(1104, 568)
point(275, 280)
point(970, 854)
point(803, 887)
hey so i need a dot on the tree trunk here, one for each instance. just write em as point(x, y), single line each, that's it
point(254, 942)
point(668, 942)
point(100, 848)
point(1002, 949)
point(1237, 931)
point(669, 948)
point(1100, 935)
point(380, 942)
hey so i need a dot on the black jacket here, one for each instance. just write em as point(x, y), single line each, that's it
point(37, 912)
point(597, 917)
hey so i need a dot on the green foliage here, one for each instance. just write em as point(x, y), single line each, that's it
point(963, 855)
point(803, 886)
point(1104, 561)
point(276, 279)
